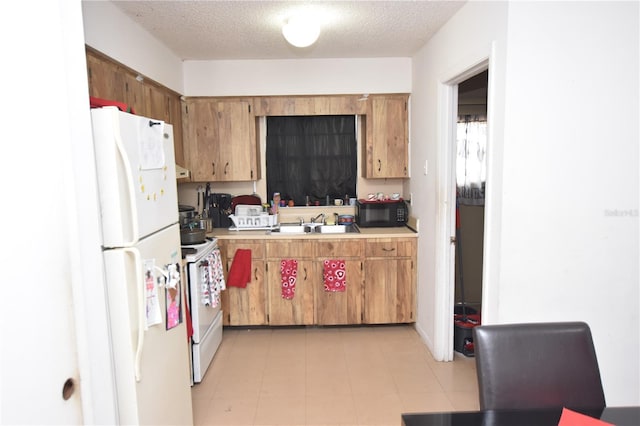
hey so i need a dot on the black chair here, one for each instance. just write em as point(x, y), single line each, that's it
point(543, 365)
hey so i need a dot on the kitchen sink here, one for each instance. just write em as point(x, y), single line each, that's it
point(292, 229)
point(336, 229)
point(309, 228)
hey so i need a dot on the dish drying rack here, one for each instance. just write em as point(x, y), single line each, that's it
point(249, 217)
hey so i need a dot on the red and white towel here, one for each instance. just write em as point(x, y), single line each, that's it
point(334, 275)
point(288, 275)
point(211, 279)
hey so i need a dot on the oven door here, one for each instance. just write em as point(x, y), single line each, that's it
point(206, 312)
point(203, 311)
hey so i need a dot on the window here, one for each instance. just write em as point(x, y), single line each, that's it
point(471, 166)
point(314, 156)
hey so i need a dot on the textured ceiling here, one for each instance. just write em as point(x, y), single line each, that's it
point(208, 30)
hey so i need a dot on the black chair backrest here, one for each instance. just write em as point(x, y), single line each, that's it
point(537, 365)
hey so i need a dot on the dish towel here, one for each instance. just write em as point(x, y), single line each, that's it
point(334, 275)
point(217, 273)
point(240, 273)
point(288, 275)
point(211, 278)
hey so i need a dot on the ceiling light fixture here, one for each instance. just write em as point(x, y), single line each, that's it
point(301, 30)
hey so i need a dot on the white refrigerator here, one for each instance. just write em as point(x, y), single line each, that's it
point(136, 177)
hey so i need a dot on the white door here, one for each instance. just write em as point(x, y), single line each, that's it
point(43, 355)
point(153, 383)
point(136, 175)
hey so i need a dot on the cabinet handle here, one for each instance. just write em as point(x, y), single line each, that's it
point(226, 167)
point(305, 274)
point(213, 169)
point(255, 273)
point(388, 249)
point(379, 165)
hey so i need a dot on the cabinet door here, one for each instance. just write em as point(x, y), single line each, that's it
point(334, 308)
point(246, 306)
point(134, 95)
point(236, 141)
point(106, 81)
point(158, 104)
point(175, 118)
point(201, 123)
point(220, 140)
point(387, 137)
point(299, 309)
point(389, 291)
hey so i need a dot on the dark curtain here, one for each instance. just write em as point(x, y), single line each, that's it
point(312, 156)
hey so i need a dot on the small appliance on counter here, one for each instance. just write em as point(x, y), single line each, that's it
point(381, 213)
point(219, 208)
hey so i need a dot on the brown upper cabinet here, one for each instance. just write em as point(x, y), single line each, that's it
point(386, 144)
point(113, 81)
point(216, 138)
point(221, 140)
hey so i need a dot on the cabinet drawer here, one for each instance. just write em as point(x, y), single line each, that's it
point(257, 249)
point(339, 248)
point(289, 249)
point(381, 248)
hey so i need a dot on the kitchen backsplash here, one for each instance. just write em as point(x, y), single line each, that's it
point(188, 192)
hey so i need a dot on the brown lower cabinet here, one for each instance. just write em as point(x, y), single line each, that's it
point(299, 309)
point(389, 286)
point(248, 305)
point(380, 282)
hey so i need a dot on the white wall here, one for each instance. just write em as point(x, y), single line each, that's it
point(113, 33)
point(573, 69)
point(465, 41)
point(297, 77)
point(564, 180)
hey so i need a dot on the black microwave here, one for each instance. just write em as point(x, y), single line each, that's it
point(381, 213)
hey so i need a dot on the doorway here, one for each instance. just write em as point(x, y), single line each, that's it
point(446, 215)
point(470, 166)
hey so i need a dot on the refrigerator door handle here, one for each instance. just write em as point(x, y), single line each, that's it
point(130, 192)
point(142, 320)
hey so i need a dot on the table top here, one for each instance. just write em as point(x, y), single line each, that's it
point(619, 416)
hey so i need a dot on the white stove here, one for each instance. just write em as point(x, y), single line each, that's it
point(201, 249)
point(205, 281)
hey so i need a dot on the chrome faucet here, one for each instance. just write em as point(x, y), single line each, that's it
point(321, 215)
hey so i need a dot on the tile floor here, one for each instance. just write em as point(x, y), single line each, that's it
point(329, 376)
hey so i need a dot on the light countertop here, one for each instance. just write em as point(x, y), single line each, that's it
point(396, 232)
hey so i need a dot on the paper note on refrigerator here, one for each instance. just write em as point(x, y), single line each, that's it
point(151, 133)
point(152, 303)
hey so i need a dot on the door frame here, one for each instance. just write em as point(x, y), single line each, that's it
point(445, 219)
